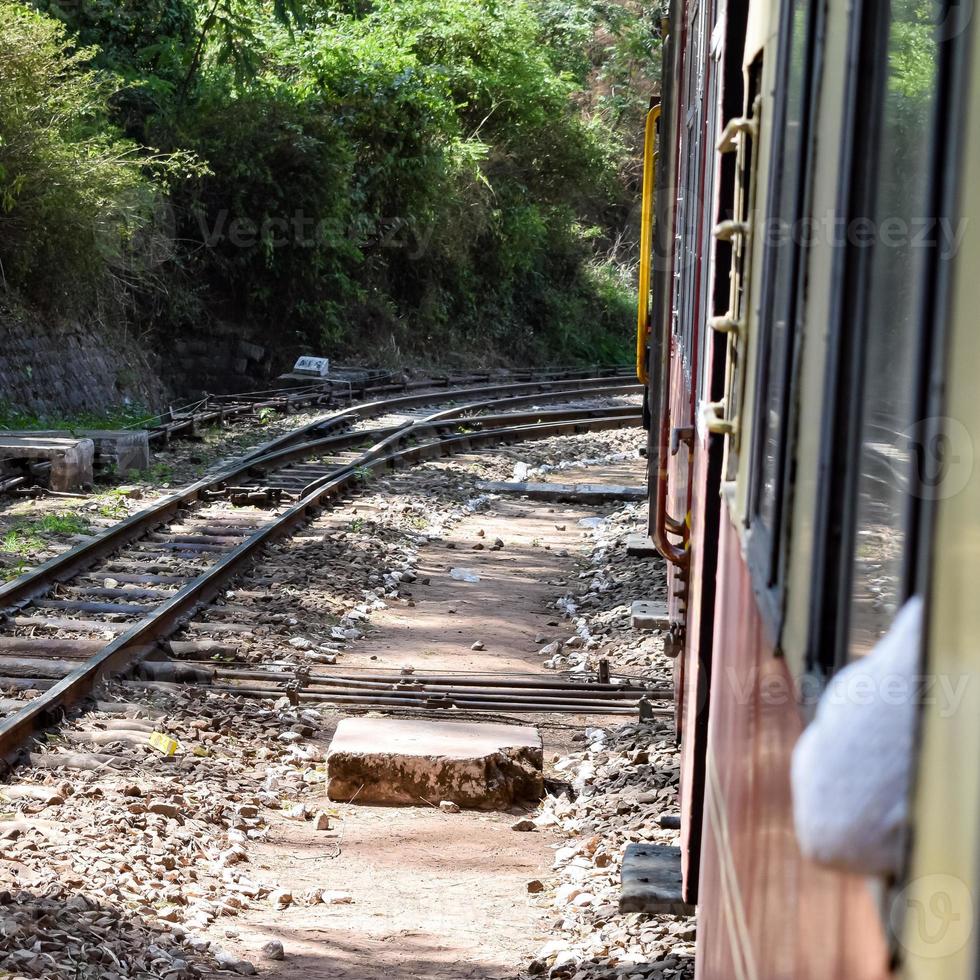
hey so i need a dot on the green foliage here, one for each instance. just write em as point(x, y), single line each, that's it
point(426, 176)
point(11, 572)
point(112, 505)
point(78, 203)
point(26, 537)
point(158, 474)
point(121, 417)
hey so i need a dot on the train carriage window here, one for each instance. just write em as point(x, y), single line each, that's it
point(782, 290)
point(687, 267)
point(782, 236)
point(899, 237)
point(885, 339)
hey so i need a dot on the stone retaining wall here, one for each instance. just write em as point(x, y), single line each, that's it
point(64, 367)
point(222, 359)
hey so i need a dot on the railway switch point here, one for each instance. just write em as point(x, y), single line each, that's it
point(403, 762)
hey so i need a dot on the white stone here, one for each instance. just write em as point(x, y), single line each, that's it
point(408, 762)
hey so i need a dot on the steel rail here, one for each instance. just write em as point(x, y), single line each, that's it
point(70, 563)
point(532, 681)
point(318, 392)
point(142, 637)
point(576, 706)
point(409, 684)
point(390, 405)
point(440, 421)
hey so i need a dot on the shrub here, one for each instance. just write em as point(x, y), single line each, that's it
point(75, 203)
point(423, 176)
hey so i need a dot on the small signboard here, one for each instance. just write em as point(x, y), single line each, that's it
point(315, 367)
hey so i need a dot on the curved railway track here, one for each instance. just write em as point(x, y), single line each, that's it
point(103, 608)
point(348, 384)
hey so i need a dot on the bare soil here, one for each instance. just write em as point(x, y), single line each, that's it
point(438, 895)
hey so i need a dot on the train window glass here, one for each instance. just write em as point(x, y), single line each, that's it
point(782, 236)
point(889, 388)
point(688, 259)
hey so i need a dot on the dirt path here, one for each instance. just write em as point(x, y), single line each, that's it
point(507, 610)
point(436, 895)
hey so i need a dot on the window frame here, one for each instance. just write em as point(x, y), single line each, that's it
point(766, 547)
point(843, 416)
point(692, 164)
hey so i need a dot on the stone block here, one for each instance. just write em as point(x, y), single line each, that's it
point(649, 614)
point(402, 762)
point(127, 450)
point(652, 881)
point(124, 450)
point(639, 545)
point(72, 460)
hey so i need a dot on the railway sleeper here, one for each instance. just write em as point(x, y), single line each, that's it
point(119, 608)
point(194, 648)
point(207, 540)
point(97, 592)
point(31, 669)
point(65, 623)
point(54, 646)
point(187, 548)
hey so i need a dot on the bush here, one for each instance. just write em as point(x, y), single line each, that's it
point(74, 201)
point(424, 175)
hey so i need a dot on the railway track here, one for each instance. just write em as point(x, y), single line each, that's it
point(343, 388)
point(104, 608)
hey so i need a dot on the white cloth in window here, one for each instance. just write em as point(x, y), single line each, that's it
point(852, 766)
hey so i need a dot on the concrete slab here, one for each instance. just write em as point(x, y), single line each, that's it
point(596, 493)
point(652, 881)
point(405, 762)
point(125, 450)
point(121, 450)
point(71, 460)
point(640, 545)
point(649, 614)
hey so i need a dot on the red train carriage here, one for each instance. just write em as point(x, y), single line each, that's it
point(805, 186)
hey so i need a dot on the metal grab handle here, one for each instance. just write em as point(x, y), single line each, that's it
point(646, 243)
point(721, 417)
point(728, 141)
point(661, 523)
point(712, 418)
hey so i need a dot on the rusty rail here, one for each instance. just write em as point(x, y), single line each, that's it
point(391, 451)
